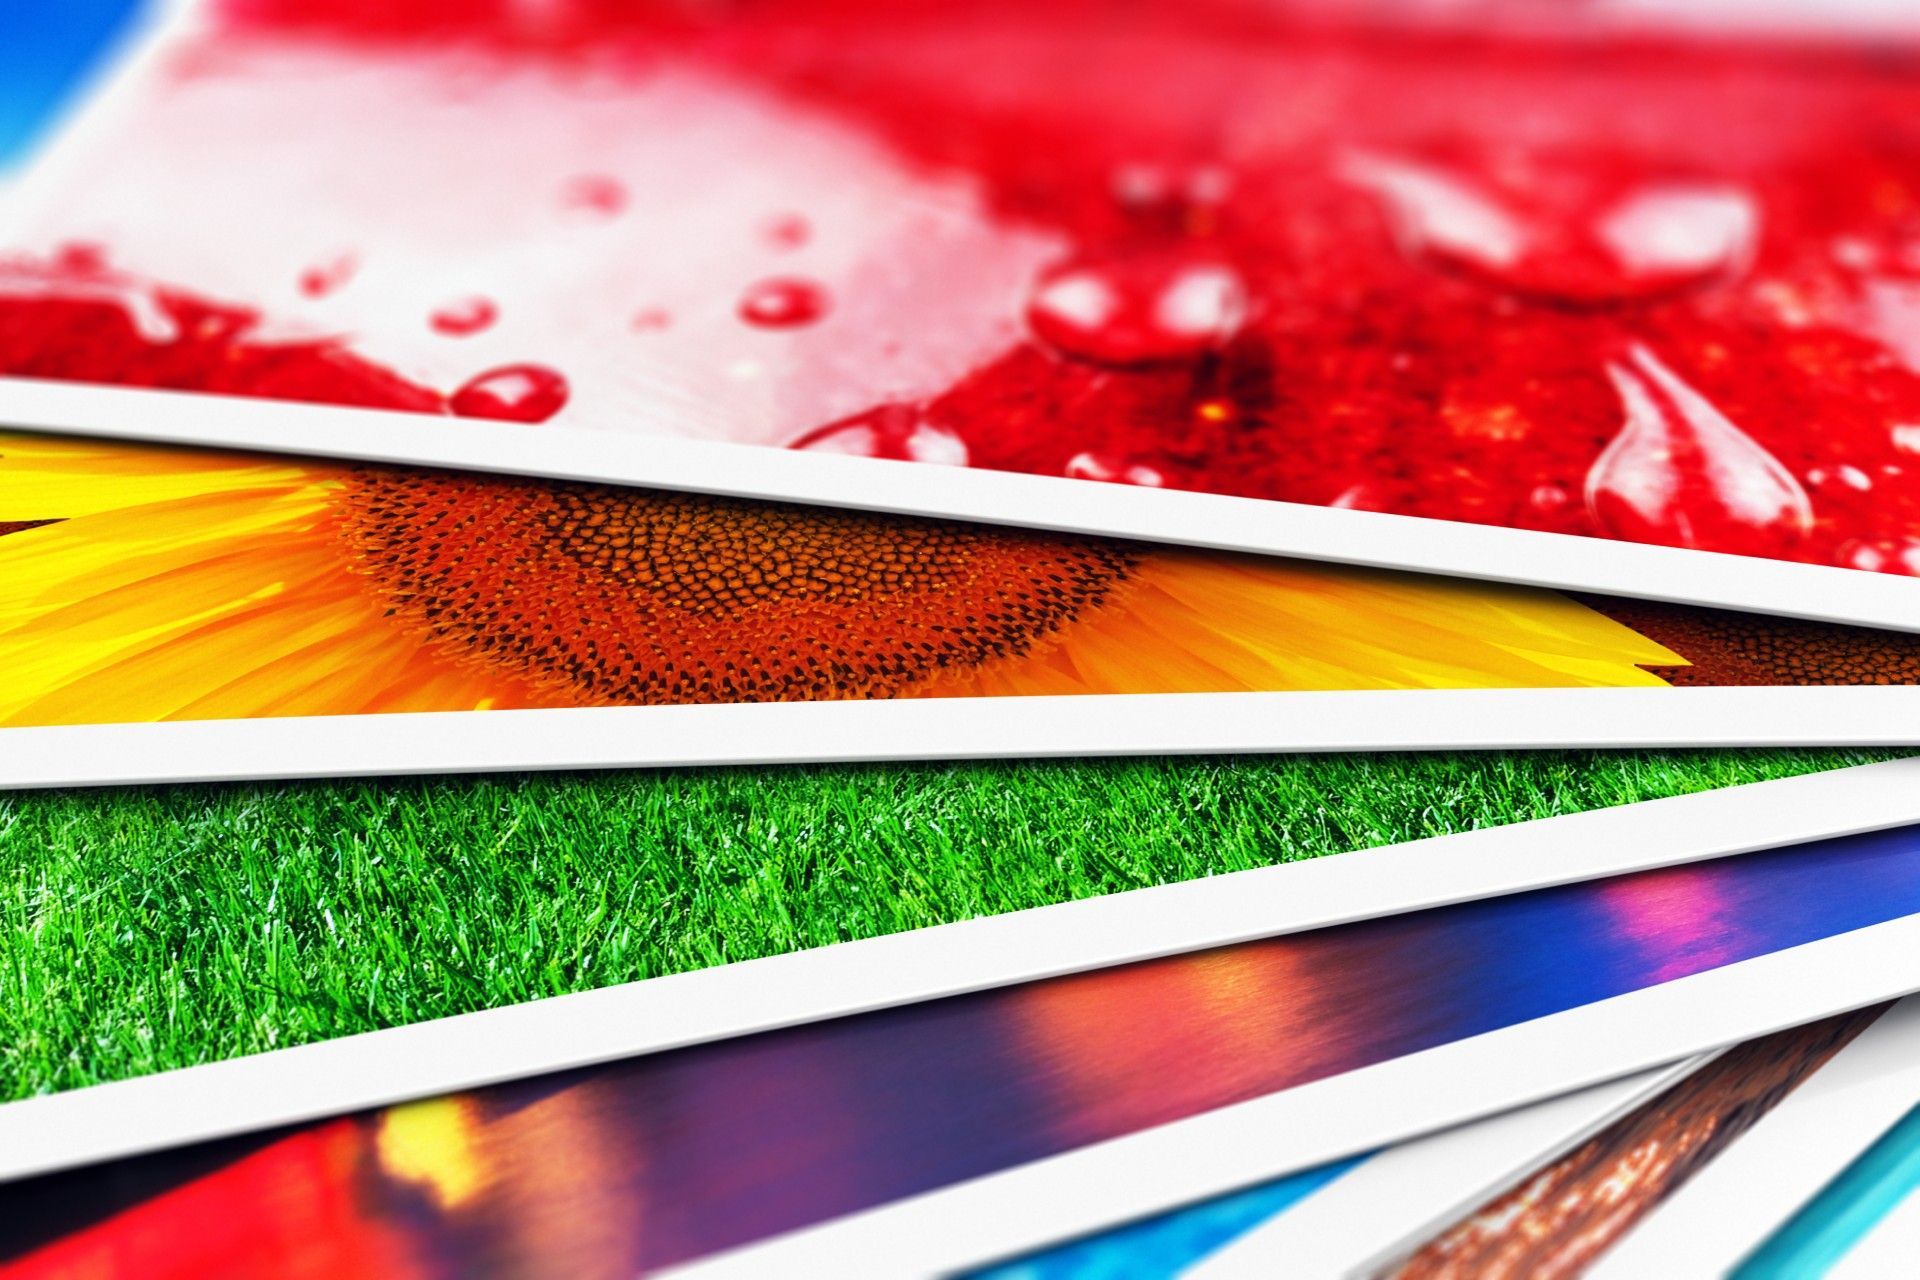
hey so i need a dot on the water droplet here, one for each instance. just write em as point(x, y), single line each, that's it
point(1856, 254)
point(1207, 185)
point(1176, 196)
point(1548, 498)
point(1099, 466)
point(1141, 186)
point(595, 193)
point(1567, 241)
point(1672, 235)
point(1839, 481)
point(512, 393)
point(1436, 213)
point(901, 432)
point(80, 258)
point(783, 302)
point(465, 316)
point(1682, 474)
point(1139, 309)
point(1360, 497)
point(324, 278)
point(1906, 437)
point(1881, 555)
point(788, 231)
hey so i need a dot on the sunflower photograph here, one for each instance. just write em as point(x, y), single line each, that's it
point(141, 583)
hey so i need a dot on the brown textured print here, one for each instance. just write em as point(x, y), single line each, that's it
point(1726, 648)
point(1557, 1222)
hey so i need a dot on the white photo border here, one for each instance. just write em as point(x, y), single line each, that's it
point(964, 728)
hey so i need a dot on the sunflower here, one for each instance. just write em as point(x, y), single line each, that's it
point(141, 583)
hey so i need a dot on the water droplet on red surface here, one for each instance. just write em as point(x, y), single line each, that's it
point(1141, 186)
point(1881, 555)
point(1099, 466)
point(1548, 498)
point(1839, 481)
point(324, 278)
point(80, 258)
point(1682, 474)
point(512, 393)
point(650, 318)
point(1176, 197)
point(595, 193)
point(783, 302)
point(464, 317)
point(1359, 497)
point(1665, 236)
point(1906, 437)
point(1571, 240)
point(897, 431)
point(1148, 308)
point(788, 231)
point(1856, 254)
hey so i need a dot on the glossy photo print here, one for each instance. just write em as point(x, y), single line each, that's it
point(146, 585)
point(1625, 1202)
point(677, 1157)
point(1313, 1222)
point(1523, 293)
point(1563, 1201)
point(1803, 1189)
point(1560, 1221)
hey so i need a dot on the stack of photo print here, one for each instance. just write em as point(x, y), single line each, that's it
point(426, 388)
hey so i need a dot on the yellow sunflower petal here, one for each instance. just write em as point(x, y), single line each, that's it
point(1200, 622)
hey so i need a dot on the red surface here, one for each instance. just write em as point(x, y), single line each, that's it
point(78, 320)
point(1657, 287)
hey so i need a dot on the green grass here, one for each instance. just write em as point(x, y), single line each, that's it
point(143, 930)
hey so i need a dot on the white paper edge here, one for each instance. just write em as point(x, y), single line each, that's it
point(1408, 1192)
point(603, 453)
point(102, 1122)
point(1032, 727)
point(1731, 1206)
point(1818, 20)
